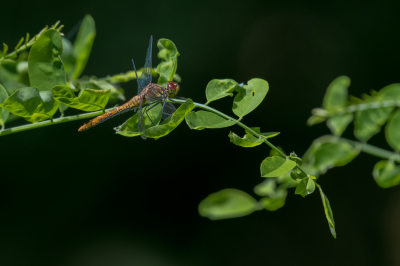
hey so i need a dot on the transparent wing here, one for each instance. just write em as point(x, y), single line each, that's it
point(145, 77)
point(168, 109)
point(137, 79)
point(142, 128)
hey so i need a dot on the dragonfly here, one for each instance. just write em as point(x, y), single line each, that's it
point(149, 96)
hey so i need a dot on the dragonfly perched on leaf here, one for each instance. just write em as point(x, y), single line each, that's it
point(148, 93)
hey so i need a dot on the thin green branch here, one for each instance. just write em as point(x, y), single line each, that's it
point(378, 152)
point(49, 122)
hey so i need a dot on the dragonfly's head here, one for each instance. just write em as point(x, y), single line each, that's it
point(173, 88)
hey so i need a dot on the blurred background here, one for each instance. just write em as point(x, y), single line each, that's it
point(97, 198)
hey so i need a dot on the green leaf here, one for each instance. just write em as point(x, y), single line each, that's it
point(203, 119)
point(327, 152)
point(83, 45)
point(328, 212)
point(169, 55)
point(3, 112)
point(386, 174)
point(29, 103)
point(339, 123)
point(266, 188)
point(270, 134)
point(130, 128)
point(305, 187)
point(336, 94)
point(392, 131)
point(67, 56)
point(390, 92)
point(115, 94)
point(247, 141)
point(217, 89)
point(228, 203)
point(276, 166)
point(315, 119)
point(297, 174)
point(275, 201)
point(45, 71)
point(88, 100)
point(368, 122)
point(250, 96)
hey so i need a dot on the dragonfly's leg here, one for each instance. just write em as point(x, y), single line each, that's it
point(171, 100)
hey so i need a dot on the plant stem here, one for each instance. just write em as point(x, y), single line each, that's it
point(49, 122)
point(378, 152)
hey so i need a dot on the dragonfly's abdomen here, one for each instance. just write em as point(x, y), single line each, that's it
point(128, 106)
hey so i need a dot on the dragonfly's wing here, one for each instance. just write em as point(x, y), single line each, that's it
point(145, 77)
point(140, 88)
point(142, 128)
point(168, 109)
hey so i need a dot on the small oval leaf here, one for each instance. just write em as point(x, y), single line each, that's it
point(247, 141)
point(217, 89)
point(250, 96)
point(203, 119)
point(305, 187)
point(392, 131)
point(328, 212)
point(228, 203)
point(3, 112)
point(276, 166)
point(336, 94)
point(386, 174)
point(169, 55)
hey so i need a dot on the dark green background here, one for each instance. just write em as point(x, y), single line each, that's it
point(96, 198)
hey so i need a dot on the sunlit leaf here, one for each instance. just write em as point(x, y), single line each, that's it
point(305, 187)
point(250, 96)
point(336, 94)
point(270, 134)
point(28, 103)
point(247, 141)
point(339, 123)
point(83, 45)
point(88, 100)
point(130, 128)
point(46, 70)
point(115, 94)
point(297, 174)
point(315, 119)
point(392, 131)
point(169, 55)
point(203, 119)
point(276, 166)
point(3, 112)
point(228, 203)
point(328, 212)
point(390, 92)
point(386, 174)
point(296, 158)
point(217, 89)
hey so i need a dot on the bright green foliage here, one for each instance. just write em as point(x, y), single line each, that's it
point(338, 124)
point(3, 112)
point(82, 46)
point(305, 187)
point(369, 122)
point(328, 212)
point(393, 131)
point(297, 174)
point(386, 174)
point(169, 55)
point(390, 92)
point(275, 202)
point(250, 96)
point(247, 141)
point(228, 203)
point(88, 100)
point(327, 152)
point(115, 94)
point(28, 103)
point(336, 94)
point(203, 119)
point(276, 166)
point(217, 89)
point(266, 188)
point(130, 128)
point(45, 71)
